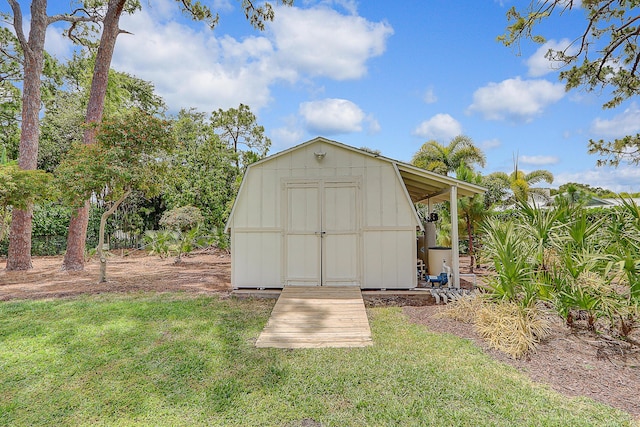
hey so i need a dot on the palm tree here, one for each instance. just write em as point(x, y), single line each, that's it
point(442, 159)
point(520, 183)
point(471, 210)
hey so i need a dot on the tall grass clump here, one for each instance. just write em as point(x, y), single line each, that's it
point(463, 309)
point(511, 328)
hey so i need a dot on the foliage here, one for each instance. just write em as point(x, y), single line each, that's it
point(604, 55)
point(624, 248)
point(159, 242)
point(62, 124)
point(182, 219)
point(20, 188)
point(240, 126)
point(49, 234)
point(519, 183)
point(585, 263)
point(125, 157)
point(583, 188)
point(512, 255)
point(220, 239)
point(189, 240)
point(60, 128)
point(539, 225)
point(257, 15)
point(182, 233)
point(11, 82)
point(179, 242)
point(180, 358)
point(472, 210)
point(497, 193)
point(442, 159)
point(183, 224)
point(202, 172)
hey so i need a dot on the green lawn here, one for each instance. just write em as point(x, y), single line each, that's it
point(177, 359)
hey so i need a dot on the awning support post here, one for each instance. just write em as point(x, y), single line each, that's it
point(455, 244)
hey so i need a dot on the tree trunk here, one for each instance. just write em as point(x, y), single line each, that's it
point(74, 257)
point(76, 240)
point(19, 255)
point(103, 224)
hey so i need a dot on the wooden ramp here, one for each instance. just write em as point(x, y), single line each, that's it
point(319, 316)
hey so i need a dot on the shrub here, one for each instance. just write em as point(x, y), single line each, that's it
point(159, 242)
point(182, 234)
point(182, 219)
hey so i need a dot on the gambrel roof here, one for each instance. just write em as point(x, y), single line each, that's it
point(421, 184)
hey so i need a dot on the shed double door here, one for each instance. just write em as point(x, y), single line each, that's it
point(322, 233)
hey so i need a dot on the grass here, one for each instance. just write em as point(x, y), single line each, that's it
point(176, 359)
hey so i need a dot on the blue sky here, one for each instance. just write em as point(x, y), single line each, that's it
point(383, 76)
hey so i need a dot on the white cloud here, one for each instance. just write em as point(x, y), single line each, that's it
point(622, 178)
point(373, 125)
point(322, 42)
point(56, 44)
point(285, 137)
point(515, 99)
point(626, 123)
point(291, 133)
point(429, 96)
point(490, 144)
point(331, 116)
point(193, 67)
point(539, 65)
point(539, 160)
point(350, 6)
point(439, 127)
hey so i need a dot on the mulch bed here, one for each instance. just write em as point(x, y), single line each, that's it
point(574, 362)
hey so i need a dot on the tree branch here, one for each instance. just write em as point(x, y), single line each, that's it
point(17, 24)
point(72, 19)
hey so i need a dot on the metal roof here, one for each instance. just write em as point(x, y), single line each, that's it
point(423, 185)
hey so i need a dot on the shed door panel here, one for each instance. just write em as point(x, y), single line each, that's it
point(303, 227)
point(322, 234)
point(341, 243)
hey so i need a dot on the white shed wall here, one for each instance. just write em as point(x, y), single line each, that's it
point(386, 226)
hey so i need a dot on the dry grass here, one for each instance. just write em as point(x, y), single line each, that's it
point(505, 326)
point(464, 309)
point(511, 328)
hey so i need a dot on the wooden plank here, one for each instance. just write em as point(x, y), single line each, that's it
point(317, 317)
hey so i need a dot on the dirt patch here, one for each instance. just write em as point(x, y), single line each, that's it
point(573, 362)
point(204, 272)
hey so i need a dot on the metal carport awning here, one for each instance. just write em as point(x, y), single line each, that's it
point(424, 185)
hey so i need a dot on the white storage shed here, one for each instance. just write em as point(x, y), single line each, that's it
point(323, 213)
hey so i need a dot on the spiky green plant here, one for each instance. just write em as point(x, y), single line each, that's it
point(188, 241)
point(512, 255)
point(159, 242)
point(540, 224)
